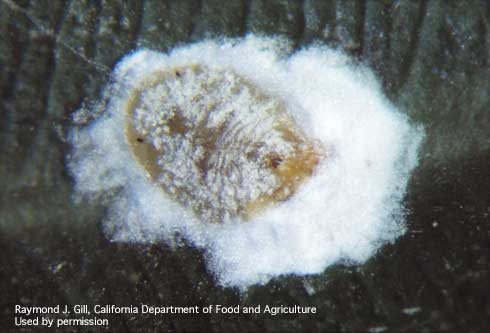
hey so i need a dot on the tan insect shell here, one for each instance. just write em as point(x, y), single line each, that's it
point(215, 143)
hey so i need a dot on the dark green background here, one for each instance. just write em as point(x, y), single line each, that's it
point(433, 58)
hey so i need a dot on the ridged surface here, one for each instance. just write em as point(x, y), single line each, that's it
point(433, 60)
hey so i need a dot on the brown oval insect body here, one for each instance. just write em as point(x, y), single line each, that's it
point(216, 143)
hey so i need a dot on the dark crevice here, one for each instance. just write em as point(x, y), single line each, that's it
point(488, 8)
point(52, 62)
point(44, 125)
point(387, 76)
point(302, 25)
point(90, 60)
point(360, 27)
point(18, 47)
point(18, 52)
point(118, 14)
point(483, 32)
point(198, 14)
point(246, 15)
point(38, 149)
point(138, 27)
point(408, 60)
point(135, 32)
point(91, 49)
point(334, 23)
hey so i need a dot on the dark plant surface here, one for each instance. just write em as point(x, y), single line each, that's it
point(432, 58)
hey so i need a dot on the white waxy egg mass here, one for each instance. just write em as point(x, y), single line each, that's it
point(271, 164)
